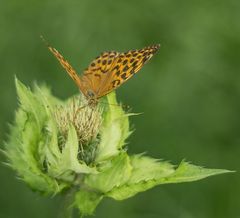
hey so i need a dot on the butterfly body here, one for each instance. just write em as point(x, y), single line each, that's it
point(106, 72)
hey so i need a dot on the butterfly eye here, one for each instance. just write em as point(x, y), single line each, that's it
point(90, 94)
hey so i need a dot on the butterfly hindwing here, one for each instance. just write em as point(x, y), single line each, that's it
point(98, 70)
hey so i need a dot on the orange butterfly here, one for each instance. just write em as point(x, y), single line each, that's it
point(108, 71)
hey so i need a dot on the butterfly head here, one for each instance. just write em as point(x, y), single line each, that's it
point(92, 97)
point(90, 94)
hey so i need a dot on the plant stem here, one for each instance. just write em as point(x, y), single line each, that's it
point(67, 205)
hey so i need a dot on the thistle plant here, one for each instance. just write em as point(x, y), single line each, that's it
point(70, 148)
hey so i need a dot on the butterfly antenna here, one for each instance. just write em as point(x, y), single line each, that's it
point(116, 105)
point(44, 41)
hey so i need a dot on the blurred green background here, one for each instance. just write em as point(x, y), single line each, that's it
point(189, 92)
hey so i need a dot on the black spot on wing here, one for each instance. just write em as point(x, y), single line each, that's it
point(115, 83)
point(119, 60)
point(116, 68)
point(135, 63)
point(133, 70)
point(125, 68)
point(124, 76)
point(125, 61)
point(103, 71)
point(145, 59)
point(97, 75)
point(104, 62)
point(118, 73)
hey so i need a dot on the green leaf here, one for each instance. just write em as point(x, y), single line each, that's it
point(66, 164)
point(30, 103)
point(187, 172)
point(147, 168)
point(87, 201)
point(23, 143)
point(113, 173)
point(114, 129)
point(147, 173)
point(43, 92)
point(48, 148)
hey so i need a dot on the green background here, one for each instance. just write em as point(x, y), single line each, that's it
point(189, 92)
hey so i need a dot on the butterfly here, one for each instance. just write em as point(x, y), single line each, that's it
point(107, 71)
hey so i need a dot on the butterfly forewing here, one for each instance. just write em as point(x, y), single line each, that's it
point(124, 67)
point(71, 72)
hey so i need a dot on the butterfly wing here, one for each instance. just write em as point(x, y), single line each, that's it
point(98, 70)
point(71, 72)
point(124, 67)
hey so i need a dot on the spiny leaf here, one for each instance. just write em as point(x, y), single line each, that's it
point(114, 130)
point(87, 201)
point(114, 173)
point(147, 173)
